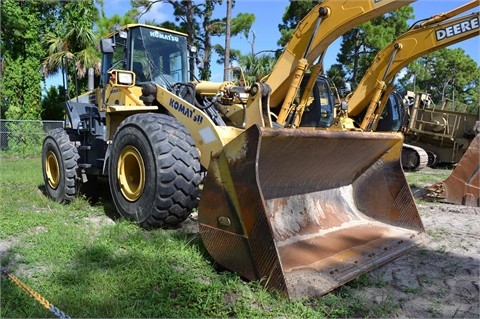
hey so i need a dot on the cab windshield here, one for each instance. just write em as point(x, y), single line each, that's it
point(319, 108)
point(158, 56)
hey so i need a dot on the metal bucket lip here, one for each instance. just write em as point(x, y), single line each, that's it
point(321, 132)
point(331, 273)
point(462, 187)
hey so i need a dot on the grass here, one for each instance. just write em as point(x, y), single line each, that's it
point(90, 266)
point(426, 177)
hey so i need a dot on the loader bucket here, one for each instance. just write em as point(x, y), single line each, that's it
point(462, 187)
point(305, 211)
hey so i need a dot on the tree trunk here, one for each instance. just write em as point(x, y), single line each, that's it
point(189, 14)
point(227, 40)
point(356, 56)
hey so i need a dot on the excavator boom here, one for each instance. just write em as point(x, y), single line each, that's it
point(370, 97)
point(418, 41)
point(318, 29)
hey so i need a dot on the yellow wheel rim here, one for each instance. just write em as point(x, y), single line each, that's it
point(52, 169)
point(131, 173)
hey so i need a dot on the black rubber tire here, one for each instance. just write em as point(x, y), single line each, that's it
point(172, 170)
point(59, 166)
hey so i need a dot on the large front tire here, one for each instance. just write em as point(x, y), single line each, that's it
point(154, 171)
point(59, 166)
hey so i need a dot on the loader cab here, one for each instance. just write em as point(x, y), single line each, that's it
point(153, 54)
point(320, 111)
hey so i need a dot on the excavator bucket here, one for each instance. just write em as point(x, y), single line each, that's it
point(305, 211)
point(462, 187)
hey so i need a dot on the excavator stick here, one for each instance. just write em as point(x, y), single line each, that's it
point(304, 216)
point(462, 187)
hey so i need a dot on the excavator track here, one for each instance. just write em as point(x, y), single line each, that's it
point(414, 158)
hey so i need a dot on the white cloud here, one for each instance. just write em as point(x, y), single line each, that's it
point(159, 12)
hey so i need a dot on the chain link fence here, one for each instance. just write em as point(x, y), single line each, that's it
point(24, 137)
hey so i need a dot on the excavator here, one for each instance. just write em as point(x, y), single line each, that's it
point(375, 90)
point(373, 93)
point(287, 206)
point(367, 103)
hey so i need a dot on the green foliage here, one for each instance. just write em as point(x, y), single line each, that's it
point(35, 37)
point(446, 73)
point(25, 138)
point(294, 13)
point(74, 38)
point(242, 23)
point(21, 29)
point(337, 75)
point(106, 25)
point(232, 27)
point(53, 104)
point(220, 51)
point(360, 45)
point(256, 67)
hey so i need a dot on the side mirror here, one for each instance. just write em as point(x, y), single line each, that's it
point(107, 46)
point(347, 88)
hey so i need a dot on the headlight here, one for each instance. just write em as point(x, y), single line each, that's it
point(125, 78)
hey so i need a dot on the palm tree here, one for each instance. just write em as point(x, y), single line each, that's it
point(256, 67)
point(74, 39)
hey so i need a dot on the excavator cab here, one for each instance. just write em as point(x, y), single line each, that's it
point(393, 116)
point(319, 112)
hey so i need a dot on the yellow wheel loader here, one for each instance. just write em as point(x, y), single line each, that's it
point(302, 210)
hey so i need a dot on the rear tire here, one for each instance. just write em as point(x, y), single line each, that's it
point(59, 166)
point(154, 171)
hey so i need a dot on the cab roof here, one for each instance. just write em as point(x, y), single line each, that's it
point(136, 25)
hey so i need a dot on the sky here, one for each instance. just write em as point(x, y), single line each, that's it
point(269, 14)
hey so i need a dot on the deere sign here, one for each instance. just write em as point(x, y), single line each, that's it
point(457, 28)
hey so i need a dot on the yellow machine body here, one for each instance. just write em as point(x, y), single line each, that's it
point(302, 210)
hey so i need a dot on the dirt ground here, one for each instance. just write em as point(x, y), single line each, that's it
point(439, 279)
